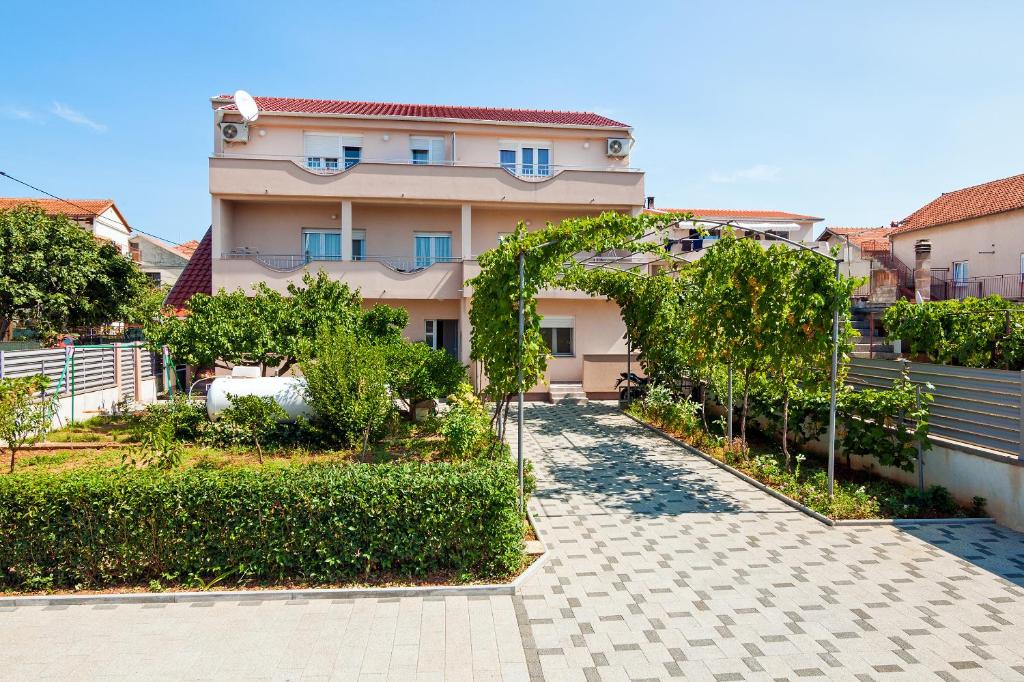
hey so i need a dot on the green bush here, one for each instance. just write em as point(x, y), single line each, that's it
point(466, 427)
point(184, 416)
point(417, 372)
point(24, 412)
point(347, 387)
point(255, 416)
point(661, 408)
point(314, 523)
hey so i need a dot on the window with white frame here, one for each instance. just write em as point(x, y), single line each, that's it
point(557, 333)
point(426, 150)
point(324, 151)
point(430, 333)
point(960, 271)
point(432, 247)
point(525, 158)
point(321, 244)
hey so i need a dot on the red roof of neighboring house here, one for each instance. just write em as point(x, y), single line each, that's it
point(197, 277)
point(291, 105)
point(188, 248)
point(76, 209)
point(730, 213)
point(865, 238)
point(981, 200)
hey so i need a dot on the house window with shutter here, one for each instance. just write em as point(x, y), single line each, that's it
point(426, 150)
point(324, 151)
point(557, 333)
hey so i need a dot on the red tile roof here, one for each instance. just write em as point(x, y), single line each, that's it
point(76, 209)
point(865, 238)
point(290, 105)
point(188, 248)
point(981, 200)
point(729, 213)
point(197, 277)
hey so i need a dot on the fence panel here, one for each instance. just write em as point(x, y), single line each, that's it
point(983, 407)
point(127, 371)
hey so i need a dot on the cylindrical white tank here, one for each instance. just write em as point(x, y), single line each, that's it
point(288, 392)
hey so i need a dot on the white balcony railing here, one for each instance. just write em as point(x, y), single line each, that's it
point(322, 166)
point(288, 262)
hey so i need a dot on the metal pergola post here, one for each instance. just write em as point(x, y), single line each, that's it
point(832, 396)
point(729, 426)
point(519, 377)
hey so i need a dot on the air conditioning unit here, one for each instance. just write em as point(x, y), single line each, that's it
point(618, 146)
point(234, 132)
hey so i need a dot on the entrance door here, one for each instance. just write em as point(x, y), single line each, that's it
point(443, 334)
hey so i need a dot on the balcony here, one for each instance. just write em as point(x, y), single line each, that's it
point(238, 176)
point(376, 277)
point(943, 288)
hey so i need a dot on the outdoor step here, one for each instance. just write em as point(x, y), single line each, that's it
point(573, 393)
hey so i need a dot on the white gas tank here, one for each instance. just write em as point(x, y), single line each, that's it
point(288, 392)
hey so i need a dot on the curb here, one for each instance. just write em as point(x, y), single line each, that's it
point(801, 507)
point(304, 594)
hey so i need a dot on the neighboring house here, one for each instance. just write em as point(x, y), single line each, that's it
point(162, 262)
point(859, 247)
point(976, 235)
point(705, 228)
point(398, 200)
point(98, 216)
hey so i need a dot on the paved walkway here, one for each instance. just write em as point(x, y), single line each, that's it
point(663, 566)
point(666, 566)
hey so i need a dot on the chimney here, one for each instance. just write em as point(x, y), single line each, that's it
point(650, 202)
point(923, 268)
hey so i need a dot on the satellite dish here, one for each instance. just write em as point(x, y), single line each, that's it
point(246, 106)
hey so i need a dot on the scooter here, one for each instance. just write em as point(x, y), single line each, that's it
point(631, 387)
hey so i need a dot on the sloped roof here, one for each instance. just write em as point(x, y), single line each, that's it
point(76, 209)
point(331, 107)
point(197, 277)
point(188, 248)
point(865, 238)
point(996, 196)
point(732, 213)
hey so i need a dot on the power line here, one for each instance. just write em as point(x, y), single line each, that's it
point(83, 208)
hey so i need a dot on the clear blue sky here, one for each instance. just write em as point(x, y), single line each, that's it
point(858, 112)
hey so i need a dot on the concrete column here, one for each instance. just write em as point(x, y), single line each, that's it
point(137, 357)
point(467, 231)
point(923, 268)
point(218, 240)
point(117, 369)
point(346, 230)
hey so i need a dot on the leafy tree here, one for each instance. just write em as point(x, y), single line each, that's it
point(24, 418)
point(347, 386)
point(417, 372)
point(255, 416)
point(54, 275)
point(266, 327)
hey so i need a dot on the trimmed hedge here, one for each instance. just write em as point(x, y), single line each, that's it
point(314, 523)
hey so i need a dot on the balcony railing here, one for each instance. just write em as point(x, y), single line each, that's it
point(289, 262)
point(1009, 286)
point(534, 173)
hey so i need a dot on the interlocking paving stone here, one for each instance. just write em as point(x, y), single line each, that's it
point(648, 538)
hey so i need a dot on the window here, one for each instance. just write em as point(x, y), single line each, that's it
point(557, 333)
point(324, 151)
point(525, 158)
point(321, 244)
point(358, 245)
point(430, 334)
point(960, 271)
point(154, 277)
point(426, 149)
point(432, 247)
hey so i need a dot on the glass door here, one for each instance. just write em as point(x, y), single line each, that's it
point(432, 248)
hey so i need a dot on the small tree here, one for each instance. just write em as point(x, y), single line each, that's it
point(23, 418)
point(418, 372)
point(255, 416)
